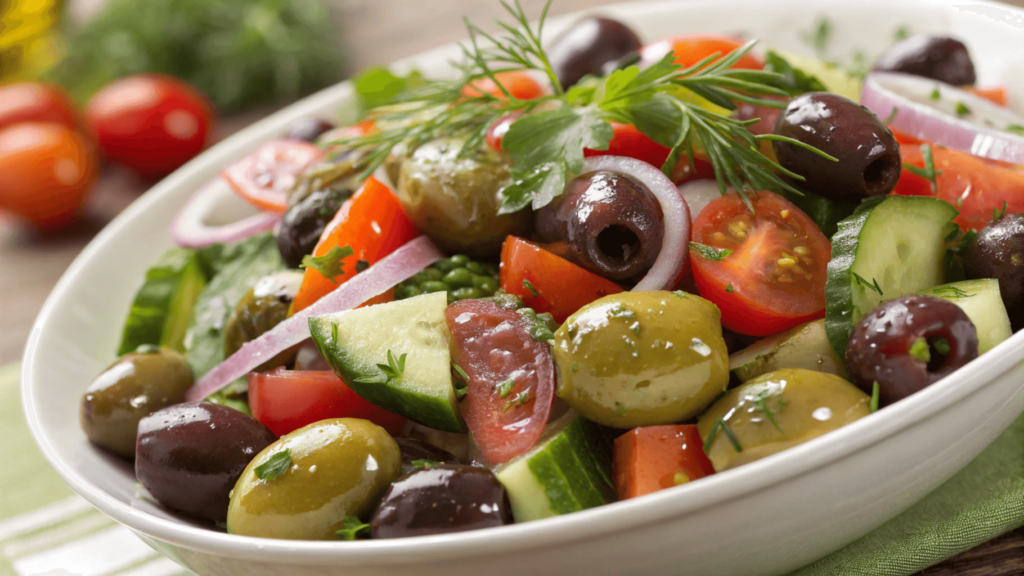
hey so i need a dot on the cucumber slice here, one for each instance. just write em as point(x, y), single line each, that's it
point(162, 308)
point(805, 346)
point(891, 246)
point(356, 342)
point(983, 304)
point(568, 471)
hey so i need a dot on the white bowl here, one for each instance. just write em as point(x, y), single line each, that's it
point(769, 517)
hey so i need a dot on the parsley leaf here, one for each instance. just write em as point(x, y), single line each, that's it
point(729, 289)
point(352, 528)
point(1015, 129)
point(378, 86)
point(941, 346)
point(710, 253)
point(275, 466)
point(920, 350)
point(330, 264)
point(900, 33)
point(962, 109)
point(935, 95)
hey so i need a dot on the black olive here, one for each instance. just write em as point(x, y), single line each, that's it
point(309, 129)
point(610, 223)
point(909, 343)
point(588, 47)
point(998, 252)
point(305, 221)
point(937, 57)
point(867, 152)
point(418, 451)
point(189, 456)
point(439, 500)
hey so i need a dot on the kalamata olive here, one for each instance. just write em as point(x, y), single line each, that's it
point(137, 384)
point(189, 456)
point(305, 221)
point(909, 343)
point(998, 252)
point(439, 500)
point(937, 57)
point(588, 46)
point(610, 223)
point(309, 129)
point(867, 152)
point(262, 308)
point(419, 451)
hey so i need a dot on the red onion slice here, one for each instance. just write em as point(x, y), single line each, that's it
point(401, 264)
point(979, 128)
point(190, 229)
point(699, 193)
point(675, 250)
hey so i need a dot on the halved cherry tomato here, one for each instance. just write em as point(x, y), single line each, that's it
point(653, 458)
point(286, 400)
point(520, 85)
point(692, 49)
point(995, 94)
point(265, 177)
point(37, 102)
point(561, 287)
point(628, 141)
point(493, 345)
point(975, 186)
point(775, 277)
point(373, 223)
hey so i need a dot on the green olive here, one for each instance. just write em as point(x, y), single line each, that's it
point(339, 468)
point(642, 358)
point(138, 384)
point(455, 200)
point(262, 308)
point(776, 411)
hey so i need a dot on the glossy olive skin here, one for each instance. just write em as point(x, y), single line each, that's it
point(938, 57)
point(588, 46)
point(869, 162)
point(879, 348)
point(998, 252)
point(641, 358)
point(305, 221)
point(340, 467)
point(415, 449)
point(262, 308)
point(455, 200)
point(127, 391)
point(308, 129)
point(189, 456)
point(610, 224)
point(803, 403)
point(440, 500)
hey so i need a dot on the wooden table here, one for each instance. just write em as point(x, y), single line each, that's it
point(374, 32)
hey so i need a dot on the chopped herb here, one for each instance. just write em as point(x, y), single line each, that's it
point(873, 285)
point(505, 387)
point(425, 463)
point(900, 33)
point(620, 311)
point(762, 405)
point(362, 265)
point(462, 373)
point(875, 389)
point(951, 291)
point(620, 409)
point(1015, 129)
point(352, 528)
point(928, 172)
point(936, 95)
point(147, 349)
point(941, 346)
point(892, 116)
point(710, 253)
point(721, 424)
point(521, 399)
point(729, 289)
point(962, 109)
point(529, 286)
point(461, 390)
point(334, 333)
point(330, 264)
point(390, 372)
point(680, 294)
point(998, 213)
point(276, 465)
point(574, 367)
point(920, 350)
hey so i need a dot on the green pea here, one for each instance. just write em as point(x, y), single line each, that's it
point(475, 267)
point(459, 260)
point(408, 291)
point(433, 286)
point(421, 277)
point(466, 293)
point(458, 278)
point(444, 266)
point(433, 274)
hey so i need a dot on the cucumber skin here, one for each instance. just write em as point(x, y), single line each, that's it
point(158, 305)
point(824, 212)
point(585, 482)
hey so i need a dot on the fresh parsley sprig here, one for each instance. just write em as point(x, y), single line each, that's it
point(352, 528)
point(275, 466)
point(330, 264)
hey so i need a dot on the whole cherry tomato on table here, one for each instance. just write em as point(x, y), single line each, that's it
point(521, 85)
point(691, 49)
point(37, 102)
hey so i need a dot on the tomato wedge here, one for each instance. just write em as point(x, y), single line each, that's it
point(548, 283)
point(265, 177)
point(995, 94)
point(690, 50)
point(774, 279)
point(520, 85)
point(286, 400)
point(373, 223)
point(493, 346)
point(973, 185)
point(628, 141)
point(653, 458)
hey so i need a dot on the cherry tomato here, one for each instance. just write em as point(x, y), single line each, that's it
point(561, 287)
point(975, 186)
point(683, 172)
point(653, 458)
point(37, 102)
point(150, 123)
point(498, 130)
point(690, 50)
point(373, 223)
point(520, 85)
point(265, 177)
point(774, 279)
point(492, 345)
point(45, 171)
point(286, 400)
point(628, 141)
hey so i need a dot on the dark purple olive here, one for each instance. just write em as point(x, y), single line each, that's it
point(439, 500)
point(309, 129)
point(909, 343)
point(610, 223)
point(418, 451)
point(998, 252)
point(189, 456)
point(867, 152)
point(937, 57)
point(304, 222)
point(589, 46)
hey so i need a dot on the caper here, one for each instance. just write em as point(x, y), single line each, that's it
point(434, 286)
point(459, 278)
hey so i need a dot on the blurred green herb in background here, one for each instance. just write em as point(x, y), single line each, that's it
point(238, 52)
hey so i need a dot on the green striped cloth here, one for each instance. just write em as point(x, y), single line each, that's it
point(47, 530)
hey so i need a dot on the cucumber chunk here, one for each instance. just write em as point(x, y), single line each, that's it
point(805, 346)
point(162, 308)
point(568, 471)
point(891, 246)
point(983, 304)
point(356, 342)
